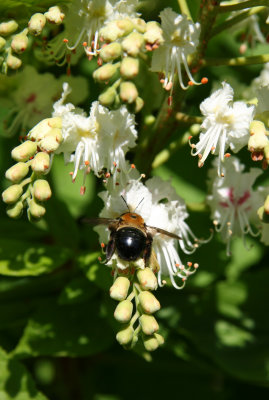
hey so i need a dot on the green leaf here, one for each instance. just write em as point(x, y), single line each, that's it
point(77, 291)
point(95, 271)
point(15, 381)
point(65, 330)
point(19, 258)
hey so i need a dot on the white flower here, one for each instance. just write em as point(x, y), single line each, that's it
point(98, 141)
point(233, 201)
point(31, 95)
point(82, 23)
point(226, 124)
point(181, 37)
point(263, 78)
point(160, 207)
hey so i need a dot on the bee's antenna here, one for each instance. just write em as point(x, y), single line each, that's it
point(138, 204)
point(125, 202)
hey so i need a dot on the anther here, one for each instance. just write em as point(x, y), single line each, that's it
point(190, 83)
point(103, 245)
point(189, 263)
point(196, 265)
point(65, 40)
point(227, 155)
point(132, 166)
point(170, 100)
point(168, 86)
point(204, 80)
point(84, 44)
point(114, 163)
point(82, 190)
point(87, 162)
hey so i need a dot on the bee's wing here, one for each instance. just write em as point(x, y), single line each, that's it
point(153, 230)
point(99, 221)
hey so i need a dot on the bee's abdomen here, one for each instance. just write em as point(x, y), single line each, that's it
point(130, 243)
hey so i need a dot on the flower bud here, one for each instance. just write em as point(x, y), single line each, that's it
point(107, 98)
point(42, 191)
point(15, 210)
point(54, 15)
point(154, 33)
point(125, 25)
point(13, 62)
point(36, 24)
point(147, 279)
point(258, 136)
point(262, 215)
point(36, 210)
point(41, 162)
point(129, 67)
point(24, 151)
point(110, 52)
point(52, 140)
point(123, 311)
point(40, 130)
point(159, 338)
point(128, 92)
point(19, 42)
point(2, 43)
point(148, 302)
point(148, 324)
point(133, 43)
point(151, 343)
point(6, 28)
point(139, 104)
point(12, 194)
point(119, 289)
point(125, 336)
point(110, 32)
point(17, 172)
point(105, 72)
point(140, 25)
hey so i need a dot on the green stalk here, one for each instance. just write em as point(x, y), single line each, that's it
point(236, 61)
point(235, 6)
point(184, 8)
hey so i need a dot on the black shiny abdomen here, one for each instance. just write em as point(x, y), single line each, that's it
point(130, 242)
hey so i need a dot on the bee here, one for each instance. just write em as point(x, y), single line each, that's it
point(130, 237)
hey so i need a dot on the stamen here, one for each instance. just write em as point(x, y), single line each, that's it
point(82, 190)
point(204, 80)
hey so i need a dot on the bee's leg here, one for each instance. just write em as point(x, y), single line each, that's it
point(147, 251)
point(110, 248)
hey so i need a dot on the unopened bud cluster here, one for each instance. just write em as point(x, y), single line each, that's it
point(140, 323)
point(29, 187)
point(258, 143)
point(125, 40)
point(16, 43)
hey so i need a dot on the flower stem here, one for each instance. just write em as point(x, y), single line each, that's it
point(184, 8)
point(235, 6)
point(235, 20)
point(236, 61)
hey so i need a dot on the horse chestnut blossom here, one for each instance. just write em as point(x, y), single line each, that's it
point(234, 202)
point(160, 206)
point(181, 37)
point(226, 124)
point(96, 142)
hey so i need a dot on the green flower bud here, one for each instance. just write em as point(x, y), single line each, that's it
point(258, 136)
point(2, 43)
point(24, 151)
point(36, 24)
point(148, 324)
point(140, 25)
point(15, 210)
point(17, 172)
point(54, 15)
point(125, 25)
point(154, 33)
point(159, 338)
point(6, 28)
point(119, 289)
point(44, 127)
point(128, 92)
point(139, 104)
point(129, 67)
point(125, 336)
point(147, 279)
point(105, 72)
point(149, 119)
point(123, 311)
point(12, 194)
point(19, 42)
point(13, 62)
point(42, 190)
point(151, 343)
point(148, 302)
point(133, 43)
point(110, 52)
point(41, 162)
point(36, 210)
point(107, 98)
